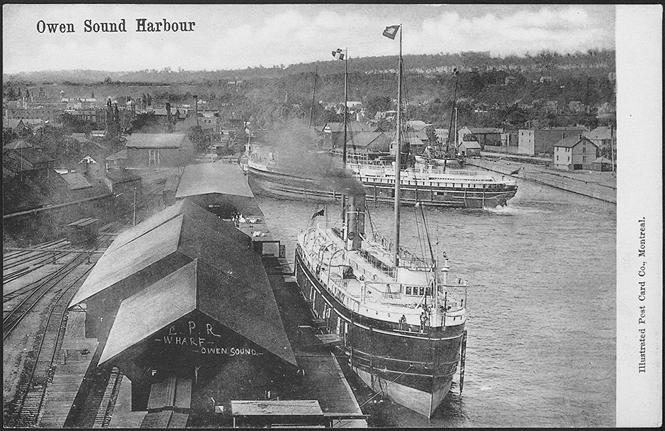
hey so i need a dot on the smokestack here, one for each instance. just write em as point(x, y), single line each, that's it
point(355, 220)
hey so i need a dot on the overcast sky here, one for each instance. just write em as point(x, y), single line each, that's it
point(238, 36)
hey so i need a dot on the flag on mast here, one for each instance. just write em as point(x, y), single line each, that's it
point(391, 31)
point(338, 54)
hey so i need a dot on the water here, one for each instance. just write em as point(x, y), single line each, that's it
point(541, 346)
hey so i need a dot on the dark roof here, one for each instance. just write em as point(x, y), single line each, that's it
point(121, 176)
point(571, 141)
point(185, 207)
point(155, 140)
point(76, 181)
point(601, 132)
point(375, 141)
point(219, 177)
point(25, 159)
point(155, 239)
point(17, 144)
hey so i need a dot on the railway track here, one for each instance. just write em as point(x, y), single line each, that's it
point(28, 402)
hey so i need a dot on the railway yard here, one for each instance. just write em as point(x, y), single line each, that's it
point(38, 283)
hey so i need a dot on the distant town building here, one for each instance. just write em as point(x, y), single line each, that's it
point(485, 136)
point(333, 133)
point(534, 142)
point(369, 142)
point(158, 149)
point(603, 136)
point(574, 153)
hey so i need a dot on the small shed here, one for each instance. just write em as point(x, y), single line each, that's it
point(469, 148)
point(601, 164)
point(83, 231)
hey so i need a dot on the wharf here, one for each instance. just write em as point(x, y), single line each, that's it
point(597, 185)
point(324, 380)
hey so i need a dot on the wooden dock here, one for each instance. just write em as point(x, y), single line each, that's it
point(323, 378)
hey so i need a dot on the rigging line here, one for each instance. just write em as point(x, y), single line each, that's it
point(392, 381)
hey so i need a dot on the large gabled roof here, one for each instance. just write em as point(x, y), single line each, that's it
point(247, 309)
point(122, 262)
point(218, 177)
point(571, 141)
point(155, 140)
point(183, 228)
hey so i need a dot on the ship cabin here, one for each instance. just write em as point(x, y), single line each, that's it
point(367, 283)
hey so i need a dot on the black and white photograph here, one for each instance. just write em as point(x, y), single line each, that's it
point(323, 215)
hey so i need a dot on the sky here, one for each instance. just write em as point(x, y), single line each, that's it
point(238, 36)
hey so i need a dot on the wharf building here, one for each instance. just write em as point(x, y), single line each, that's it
point(183, 305)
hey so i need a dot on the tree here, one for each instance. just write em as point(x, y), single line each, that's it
point(198, 138)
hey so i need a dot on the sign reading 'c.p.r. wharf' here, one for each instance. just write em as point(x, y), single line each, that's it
point(143, 25)
point(203, 338)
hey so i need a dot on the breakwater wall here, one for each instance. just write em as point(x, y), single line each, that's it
point(581, 184)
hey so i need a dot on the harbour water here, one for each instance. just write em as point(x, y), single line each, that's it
point(542, 346)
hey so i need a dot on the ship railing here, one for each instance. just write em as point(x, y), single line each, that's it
point(406, 258)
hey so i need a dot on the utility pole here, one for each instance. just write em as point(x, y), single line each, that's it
point(196, 109)
point(311, 109)
point(134, 206)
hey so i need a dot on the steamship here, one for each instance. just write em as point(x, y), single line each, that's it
point(397, 317)
point(427, 184)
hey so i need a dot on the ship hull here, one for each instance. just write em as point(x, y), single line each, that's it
point(411, 367)
point(283, 186)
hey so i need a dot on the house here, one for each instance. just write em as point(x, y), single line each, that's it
point(485, 136)
point(29, 162)
point(116, 160)
point(369, 142)
point(90, 167)
point(602, 136)
point(574, 153)
point(22, 126)
point(333, 133)
point(469, 148)
point(210, 121)
point(535, 142)
point(158, 149)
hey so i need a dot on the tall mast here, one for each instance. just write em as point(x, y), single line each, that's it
point(311, 109)
point(346, 74)
point(397, 152)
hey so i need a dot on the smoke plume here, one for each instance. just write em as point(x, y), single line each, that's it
point(297, 153)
